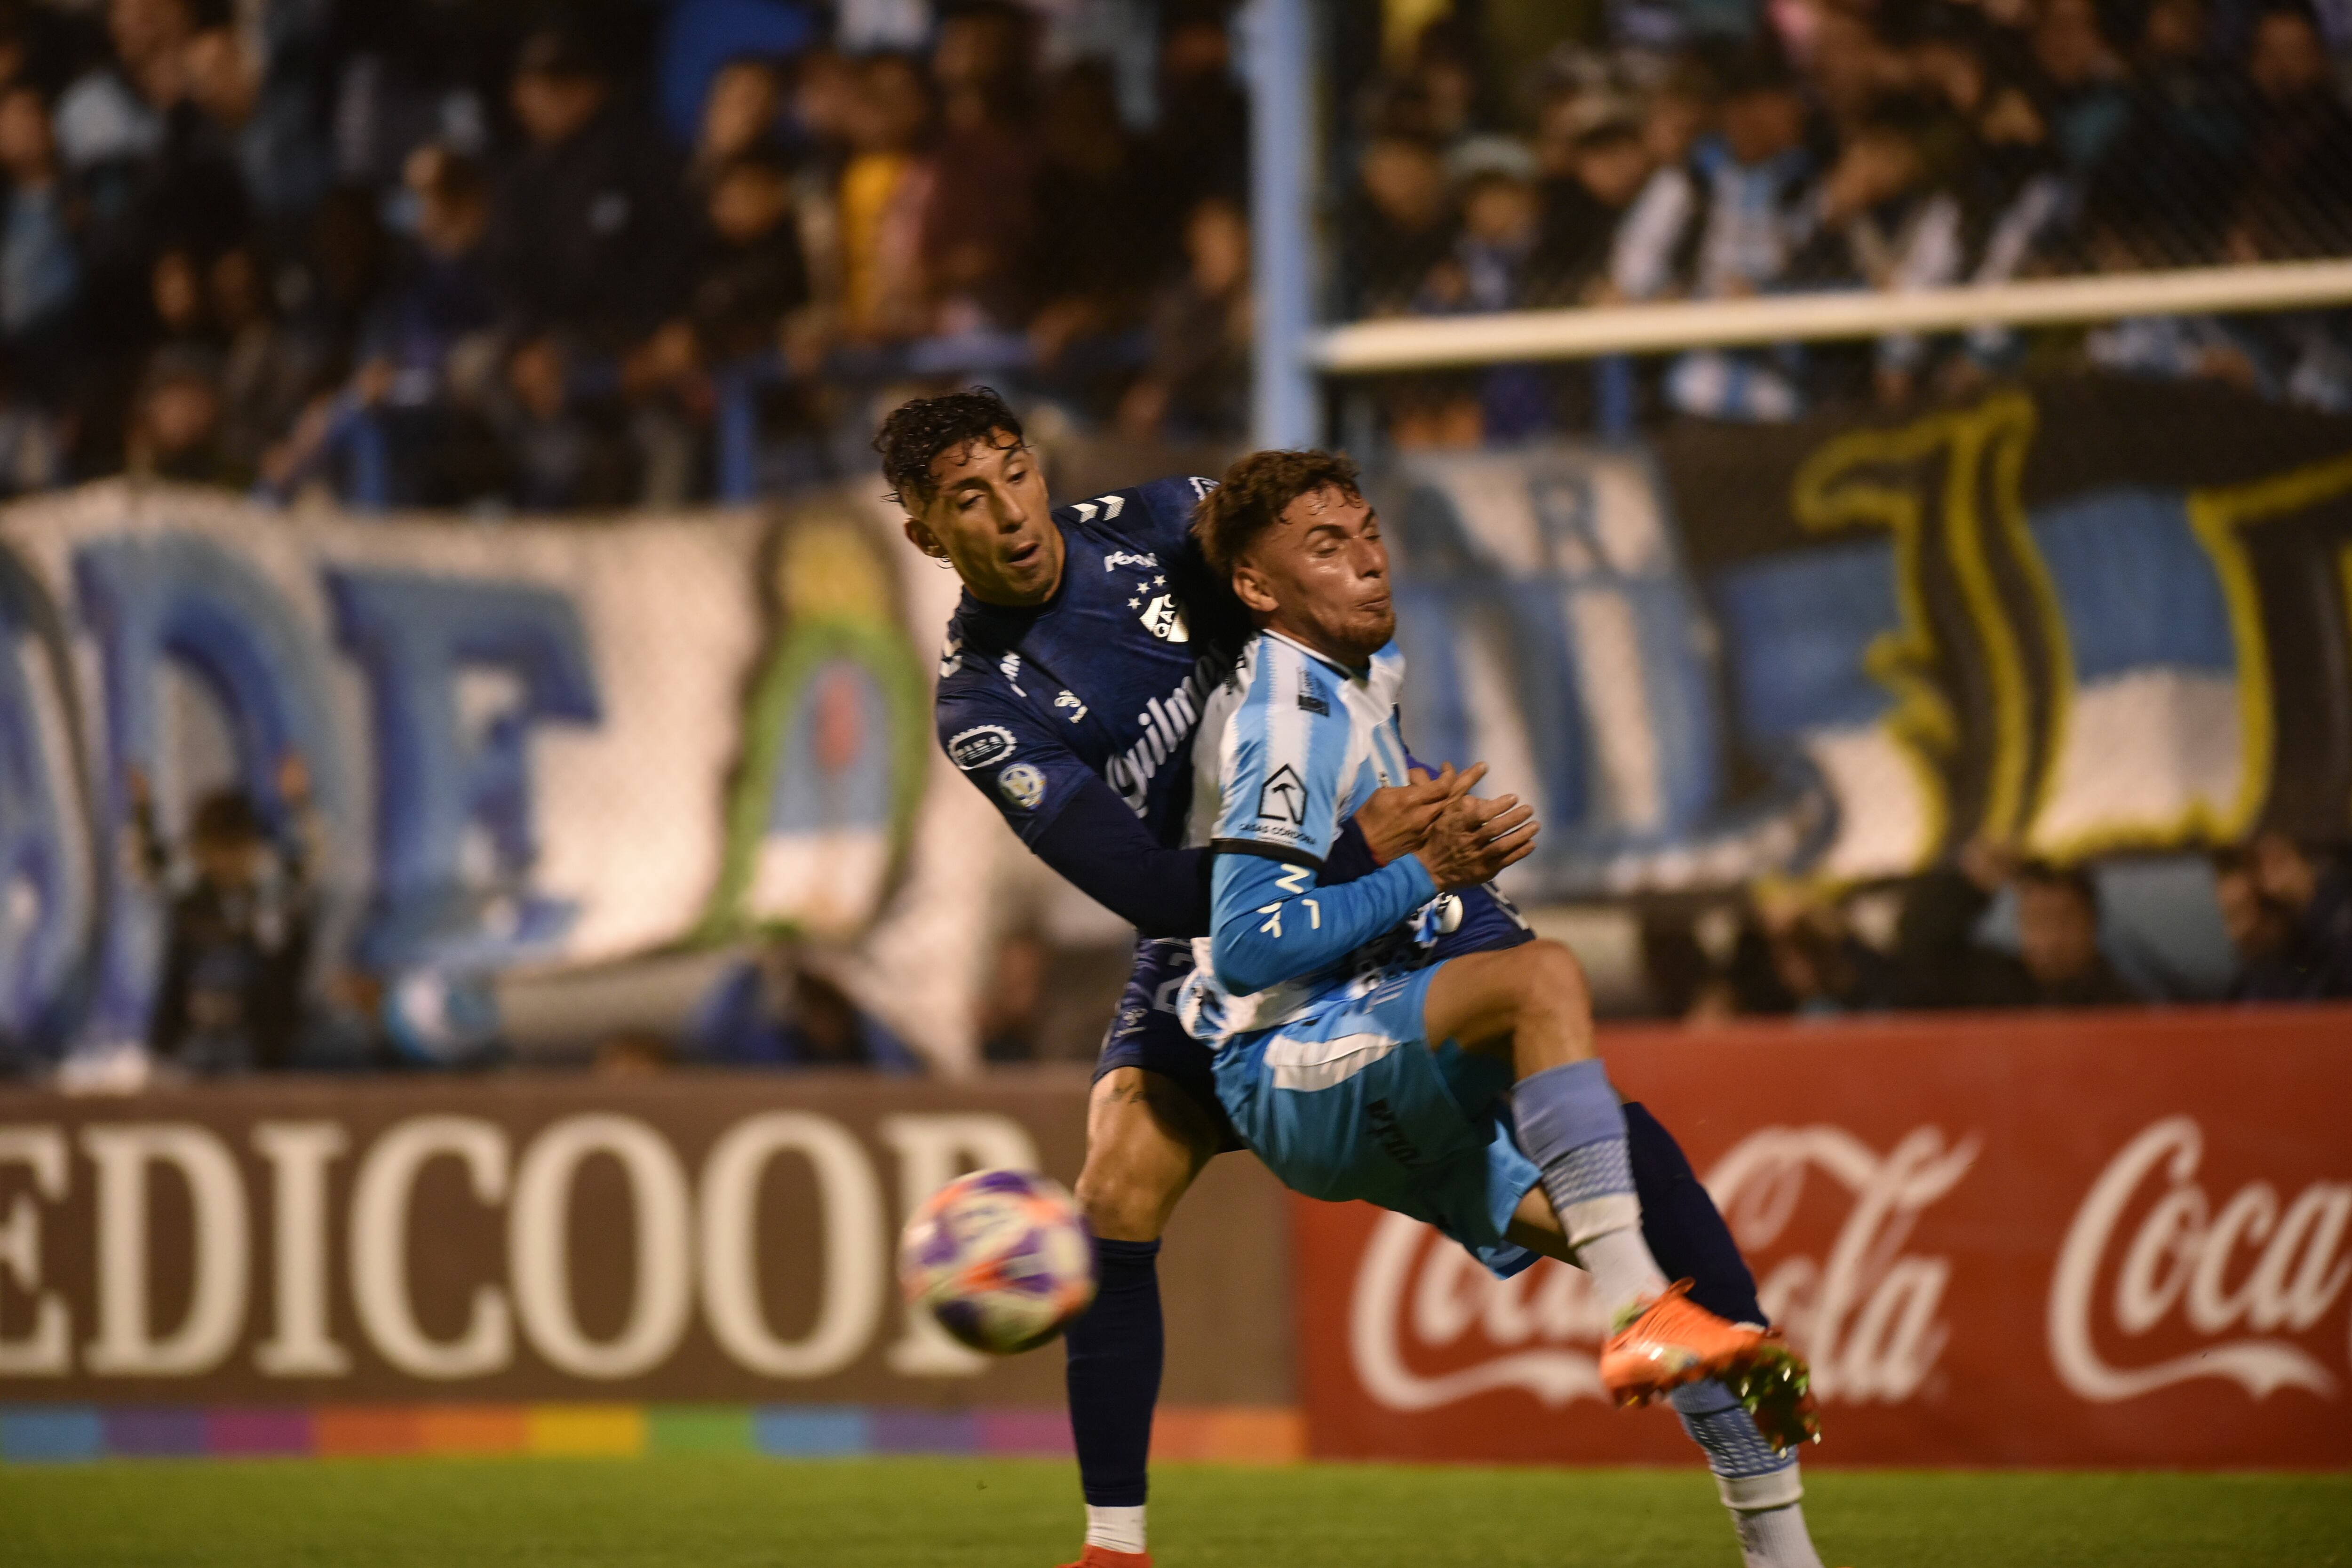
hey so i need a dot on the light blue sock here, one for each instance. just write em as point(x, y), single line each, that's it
point(1571, 1125)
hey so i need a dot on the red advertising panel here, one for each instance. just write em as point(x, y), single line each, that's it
point(2052, 1241)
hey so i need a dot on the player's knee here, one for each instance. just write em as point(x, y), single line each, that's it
point(1551, 981)
point(1122, 1203)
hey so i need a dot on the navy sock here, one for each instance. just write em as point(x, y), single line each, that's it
point(1115, 1353)
point(1685, 1230)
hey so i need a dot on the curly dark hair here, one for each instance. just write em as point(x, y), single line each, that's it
point(1251, 496)
point(917, 431)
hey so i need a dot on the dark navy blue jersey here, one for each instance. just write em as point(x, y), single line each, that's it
point(1104, 679)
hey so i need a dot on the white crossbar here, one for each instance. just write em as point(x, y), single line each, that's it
point(1428, 342)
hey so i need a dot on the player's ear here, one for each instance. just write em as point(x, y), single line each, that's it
point(924, 540)
point(1251, 588)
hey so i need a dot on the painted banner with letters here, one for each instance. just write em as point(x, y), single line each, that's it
point(528, 746)
point(2086, 614)
point(2047, 1240)
point(698, 1238)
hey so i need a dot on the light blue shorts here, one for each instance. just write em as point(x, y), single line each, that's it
point(1349, 1101)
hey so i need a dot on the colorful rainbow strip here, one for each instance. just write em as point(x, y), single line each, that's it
point(35, 1433)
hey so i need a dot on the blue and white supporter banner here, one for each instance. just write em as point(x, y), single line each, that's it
point(527, 746)
point(2082, 617)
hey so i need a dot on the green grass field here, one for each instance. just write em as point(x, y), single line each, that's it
point(740, 1512)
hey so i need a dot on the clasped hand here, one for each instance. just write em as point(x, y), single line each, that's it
point(1461, 840)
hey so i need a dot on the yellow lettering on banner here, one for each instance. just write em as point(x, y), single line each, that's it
point(934, 1150)
point(298, 1153)
point(538, 1225)
point(127, 1344)
point(47, 1350)
point(379, 1232)
point(854, 1265)
point(1983, 450)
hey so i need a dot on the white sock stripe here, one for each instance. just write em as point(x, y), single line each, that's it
point(1775, 1538)
point(1115, 1529)
point(1749, 1494)
point(1595, 1217)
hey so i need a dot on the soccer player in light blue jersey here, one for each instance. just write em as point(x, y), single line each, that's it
point(1354, 1060)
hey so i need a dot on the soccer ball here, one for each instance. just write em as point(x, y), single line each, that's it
point(1002, 1258)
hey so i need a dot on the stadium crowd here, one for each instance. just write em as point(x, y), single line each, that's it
point(540, 256)
point(1733, 151)
point(1995, 931)
point(617, 252)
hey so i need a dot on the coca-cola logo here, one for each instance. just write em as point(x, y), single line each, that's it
point(2252, 1263)
point(1428, 1326)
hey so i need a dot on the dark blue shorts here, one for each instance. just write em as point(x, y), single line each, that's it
point(1145, 1033)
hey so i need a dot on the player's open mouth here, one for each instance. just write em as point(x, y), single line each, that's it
point(1022, 554)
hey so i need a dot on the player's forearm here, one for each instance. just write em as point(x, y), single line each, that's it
point(1103, 849)
point(1275, 923)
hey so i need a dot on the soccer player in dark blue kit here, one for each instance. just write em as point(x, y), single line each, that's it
point(1070, 688)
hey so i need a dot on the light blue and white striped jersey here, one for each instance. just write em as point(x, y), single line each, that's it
point(1290, 745)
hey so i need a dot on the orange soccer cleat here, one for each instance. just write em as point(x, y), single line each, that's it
point(1102, 1557)
point(1673, 1341)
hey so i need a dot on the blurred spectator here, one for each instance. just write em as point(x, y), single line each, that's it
point(741, 116)
point(1104, 233)
point(2058, 963)
point(2078, 84)
point(1197, 385)
point(2298, 191)
point(1598, 172)
point(40, 266)
point(750, 275)
point(1818, 965)
point(585, 236)
point(238, 937)
point(176, 426)
point(1726, 224)
point(1201, 145)
point(982, 205)
point(1489, 267)
point(1886, 224)
point(1012, 1007)
point(1486, 265)
point(2184, 151)
point(566, 446)
point(778, 1010)
point(32, 452)
point(266, 372)
point(112, 117)
point(885, 190)
point(2289, 914)
point(1398, 223)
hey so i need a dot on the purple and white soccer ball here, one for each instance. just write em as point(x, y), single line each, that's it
point(1002, 1258)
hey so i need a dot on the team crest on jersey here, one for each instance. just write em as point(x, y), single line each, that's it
point(1021, 785)
point(1282, 797)
point(979, 746)
point(1164, 620)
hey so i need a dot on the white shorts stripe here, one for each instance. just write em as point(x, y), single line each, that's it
point(1320, 1064)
